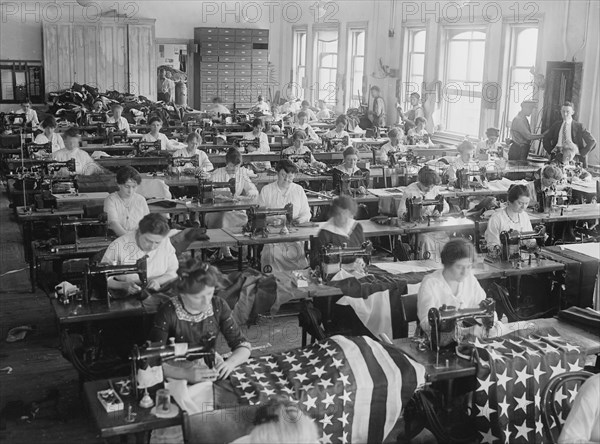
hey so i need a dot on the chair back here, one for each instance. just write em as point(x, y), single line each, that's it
point(409, 313)
point(218, 426)
point(552, 411)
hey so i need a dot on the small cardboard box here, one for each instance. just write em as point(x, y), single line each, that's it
point(110, 400)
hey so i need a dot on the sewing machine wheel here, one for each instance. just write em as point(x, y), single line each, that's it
point(267, 269)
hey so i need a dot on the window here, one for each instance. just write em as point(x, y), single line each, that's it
point(463, 76)
point(21, 80)
point(415, 63)
point(299, 64)
point(356, 68)
point(522, 57)
point(326, 49)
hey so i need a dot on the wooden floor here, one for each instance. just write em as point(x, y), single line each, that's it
point(40, 374)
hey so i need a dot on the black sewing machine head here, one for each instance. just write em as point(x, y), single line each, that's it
point(511, 241)
point(113, 137)
point(39, 150)
point(206, 189)
point(258, 219)
point(470, 178)
point(442, 321)
point(68, 232)
point(551, 198)
point(178, 162)
point(244, 144)
point(148, 149)
point(55, 167)
point(305, 157)
point(331, 257)
point(349, 185)
point(414, 207)
point(95, 280)
point(95, 118)
point(335, 144)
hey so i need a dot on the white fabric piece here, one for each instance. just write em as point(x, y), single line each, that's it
point(150, 188)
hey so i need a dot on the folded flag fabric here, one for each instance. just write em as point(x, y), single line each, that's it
point(354, 387)
point(511, 372)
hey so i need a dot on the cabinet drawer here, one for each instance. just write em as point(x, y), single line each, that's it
point(208, 65)
point(246, 66)
point(226, 45)
point(226, 31)
point(226, 52)
point(209, 86)
point(210, 58)
point(239, 32)
point(204, 78)
point(243, 73)
point(227, 59)
point(207, 32)
point(260, 39)
point(243, 59)
point(243, 39)
point(208, 51)
point(226, 87)
point(259, 60)
point(227, 79)
point(260, 53)
point(260, 33)
point(226, 66)
point(209, 44)
point(243, 52)
point(239, 45)
point(208, 73)
point(263, 73)
point(243, 79)
point(209, 38)
point(226, 38)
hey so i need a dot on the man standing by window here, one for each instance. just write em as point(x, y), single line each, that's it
point(520, 133)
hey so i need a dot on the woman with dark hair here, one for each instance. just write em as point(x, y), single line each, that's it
point(298, 147)
point(416, 110)
point(125, 208)
point(151, 240)
point(393, 146)
point(196, 316)
point(339, 132)
point(349, 167)
point(191, 150)
point(258, 135)
point(84, 164)
point(156, 124)
point(463, 160)
point(303, 125)
point(48, 126)
point(453, 285)
point(341, 228)
point(514, 216)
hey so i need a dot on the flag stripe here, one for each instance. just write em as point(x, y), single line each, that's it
point(393, 407)
point(364, 388)
point(412, 371)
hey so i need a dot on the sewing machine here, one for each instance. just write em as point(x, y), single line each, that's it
point(244, 144)
point(153, 355)
point(550, 198)
point(511, 242)
point(63, 224)
point(414, 207)
point(115, 136)
point(61, 184)
point(335, 144)
point(95, 118)
point(295, 158)
point(148, 149)
point(331, 258)
point(206, 189)
point(442, 321)
point(39, 150)
point(416, 140)
point(349, 185)
point(180, 162)
point(470, 178)
point(93, 285)
point(258, 219)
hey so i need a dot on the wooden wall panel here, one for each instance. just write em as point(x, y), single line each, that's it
point(51, 74)
point(65, 58)
point(142, 64)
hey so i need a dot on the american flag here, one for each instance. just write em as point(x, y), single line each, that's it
point(353, 387)
point(511, 373)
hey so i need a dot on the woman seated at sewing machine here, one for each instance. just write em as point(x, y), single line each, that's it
point(122, 123)
point(303, 125)
point(565, 160)
point(156, 124)
point(83, 162)
point(464, 160)
point(393, 146)
point(453, 285)
point(218, 109)
point(125, 208)
point(310, 114)
point(257, 134)
point(48, 126)
point(31, 117)
point(324, 112)
point(298, 148)
point(349, 166)
point(150, 239)
point(426, 188)
point(339, 131)
point(193, 140)
point(290, 255)
point(243, 187)
point(490, 148)
point(419, 135)
point(512, 217)
point(197, 317)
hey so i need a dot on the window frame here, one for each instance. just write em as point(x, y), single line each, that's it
point(349, 97)
point(25, 66)
point(299, 85)
point(317, 57)
point(408, 67)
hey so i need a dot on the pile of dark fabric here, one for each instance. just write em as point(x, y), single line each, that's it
point(72, 105)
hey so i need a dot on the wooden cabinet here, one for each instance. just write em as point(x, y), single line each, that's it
point(107, 54)
point(232, 65)
point(563, 84)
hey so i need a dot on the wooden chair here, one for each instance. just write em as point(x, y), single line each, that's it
point(409, 313)
point(549, 410)
point(218, 426)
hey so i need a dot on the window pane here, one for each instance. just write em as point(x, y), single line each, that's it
point(463, 116)
point(7, 84)
point(526, 47)
point(417, 63)
point(458, 57)
point(477, 51)
point(419, 41)
point(360, 43)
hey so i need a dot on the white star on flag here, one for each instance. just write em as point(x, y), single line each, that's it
point(478, 344)
point(331, 352)
point(488, 437)
point(573, 394)
point(301, 377)
point(269, 392)
point(559, 396)
point(307, 387)
point(314, 361)
point(575, 366)
point(522, 402)
point(557, 370)
point(495, 355)
point(296, 367)
point(326, 438)
point(278, 374)
point(485, 410)
point(258, 375)
point(338, 363)
point(244, 385)
point(253, 366)
point(290, 359)
point(344, 438)
point(516, 354)
point(326, 420)
point(344, 379)
point(329, 399)
point(288, 390)
point(485, 384)
point(570, 347)
point(522, 376)
point(503, 378)
point(239, 375)
point(310, 402)
point(539, 428)
point(319, 371)
point(307, 353)
point(537, 372)
point(522, 430)
point(504, 406)
point(282, 381)
point(323, 345)
point(344, 418)
point(271, 364)
point(325, 383)
point(345, 397)
point(553, 338)
point(249, 395)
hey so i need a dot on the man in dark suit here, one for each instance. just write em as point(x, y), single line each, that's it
point(569, 132)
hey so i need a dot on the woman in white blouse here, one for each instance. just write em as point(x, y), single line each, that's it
point(49, 125)
point(125, 208)
point(454, 285)
point(193, 140)
point(258, 135)
point(513, 216)
point(156, 124)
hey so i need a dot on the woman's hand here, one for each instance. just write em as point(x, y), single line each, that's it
point(133, 288)
point(224, 369)
point(153, 285)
